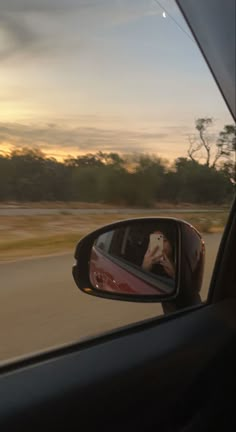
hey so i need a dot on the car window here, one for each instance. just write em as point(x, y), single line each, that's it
point(104, 241)
point(108, 112)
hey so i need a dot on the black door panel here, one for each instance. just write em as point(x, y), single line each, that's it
point(159, 374)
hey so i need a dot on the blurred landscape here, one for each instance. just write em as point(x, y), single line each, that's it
point(96, 126)
point(47, 205)
point(33, 235)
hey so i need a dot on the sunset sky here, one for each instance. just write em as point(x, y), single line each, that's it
point(80, 76)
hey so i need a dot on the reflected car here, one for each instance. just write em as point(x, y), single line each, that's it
point(116, 263)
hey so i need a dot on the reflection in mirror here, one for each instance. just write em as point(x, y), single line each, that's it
point(138, 258)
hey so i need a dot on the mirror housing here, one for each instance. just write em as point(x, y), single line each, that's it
point(113, 274)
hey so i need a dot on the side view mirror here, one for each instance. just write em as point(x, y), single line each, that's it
point(142, 260)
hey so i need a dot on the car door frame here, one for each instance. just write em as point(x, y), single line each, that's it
point(162, 359)
point(167, 371)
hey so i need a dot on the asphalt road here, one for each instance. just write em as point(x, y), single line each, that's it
point(41, 308)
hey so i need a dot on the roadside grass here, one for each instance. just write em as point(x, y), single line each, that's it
point(38, 246)
point(67, 205)
point(25, 236)
point(55, 205)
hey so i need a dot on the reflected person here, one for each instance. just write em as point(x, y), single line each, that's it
point(159, 257)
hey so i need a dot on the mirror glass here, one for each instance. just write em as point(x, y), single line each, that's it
point(136, 258)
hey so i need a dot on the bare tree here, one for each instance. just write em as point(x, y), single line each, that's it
point(203, 142)
point(194, 148)
point(211, 150)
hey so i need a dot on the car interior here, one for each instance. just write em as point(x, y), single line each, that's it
point(125, 246)
point(131, 243)
point(170, 373)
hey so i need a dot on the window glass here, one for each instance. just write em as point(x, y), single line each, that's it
point(103, 242)
point(108, 112)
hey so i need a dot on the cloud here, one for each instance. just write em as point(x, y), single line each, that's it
point(126, 7)
point(52, 138)
point(39, 26)
point(55, 6)
point(16, 36)
point(42, 6)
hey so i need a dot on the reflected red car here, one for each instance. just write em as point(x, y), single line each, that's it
point(107, 275)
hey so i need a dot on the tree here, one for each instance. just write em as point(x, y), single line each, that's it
point(113, 159)
point(98, 159)
point(198, 183)
point(26, 167)
point(152, 170)
point(203, 142)
point(5, 178)
point(227, 144)
point(212, 151)
point(85, 161)
point(140, 180)
point(227, 138)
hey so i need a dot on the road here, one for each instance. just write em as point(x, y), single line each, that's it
point(42, 308)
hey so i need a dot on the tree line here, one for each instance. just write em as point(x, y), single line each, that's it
point(206, 175)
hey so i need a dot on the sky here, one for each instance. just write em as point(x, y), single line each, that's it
point(79, 76)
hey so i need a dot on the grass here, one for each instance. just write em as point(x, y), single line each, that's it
point(207, 223)
point(55, 205)
point(64, 205)
point(23, 236)
point(38, 246)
